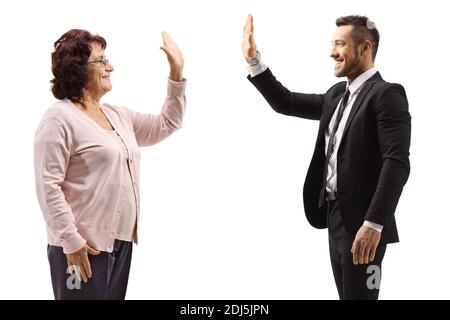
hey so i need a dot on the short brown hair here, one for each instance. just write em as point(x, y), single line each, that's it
point(363, 29)
point(72, 51)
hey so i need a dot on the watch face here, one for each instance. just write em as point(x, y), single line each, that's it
point(254, 61)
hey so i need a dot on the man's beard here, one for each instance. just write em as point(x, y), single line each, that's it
point(349, 67)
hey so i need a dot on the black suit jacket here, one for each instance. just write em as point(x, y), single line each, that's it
point(373, 156)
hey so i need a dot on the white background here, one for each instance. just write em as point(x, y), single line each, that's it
point(222, 213)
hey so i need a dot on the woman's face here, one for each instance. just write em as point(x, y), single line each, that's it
point(99, 70)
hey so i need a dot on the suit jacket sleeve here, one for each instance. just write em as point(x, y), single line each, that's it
point(283, 101)
point(394, 132)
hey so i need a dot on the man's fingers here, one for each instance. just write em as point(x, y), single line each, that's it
point(373, 251)
point(248, 44)
point(247, 40)
point(362, 252)
point(364, 246)
point(251, 39)
point(247, 24)
point(367, 252)
point(355, 251)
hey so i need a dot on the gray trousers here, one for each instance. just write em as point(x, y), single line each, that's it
point(109, 274)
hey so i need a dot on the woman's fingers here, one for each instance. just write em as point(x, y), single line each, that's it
point(166, 51)
point(92, 251)
point(166, 38)
point(169, 54)
point(168, 42)
point(79, 264)
point(75, 269)
point(87, 268)
point(172, 51)
point(77, 272)
point(83, 274)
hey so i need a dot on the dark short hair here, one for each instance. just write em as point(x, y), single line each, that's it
point(363, 29)
point(69, 68)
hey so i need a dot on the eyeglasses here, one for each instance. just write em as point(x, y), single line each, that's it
point(103, 61)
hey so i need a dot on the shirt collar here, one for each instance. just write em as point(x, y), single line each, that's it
point(361, 79)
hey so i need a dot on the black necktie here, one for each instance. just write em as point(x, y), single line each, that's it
point(331, 144)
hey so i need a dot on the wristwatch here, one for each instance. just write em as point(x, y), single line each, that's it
point(254, 61)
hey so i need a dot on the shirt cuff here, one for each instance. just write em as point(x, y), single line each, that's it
point(175, 88)
point(373, 225)
point(256, 69)
point(74, 243)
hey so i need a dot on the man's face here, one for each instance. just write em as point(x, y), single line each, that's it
point(345, 53)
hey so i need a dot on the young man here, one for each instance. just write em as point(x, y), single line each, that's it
point(361, 157)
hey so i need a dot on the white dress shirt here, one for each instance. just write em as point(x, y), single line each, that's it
point(355, 87)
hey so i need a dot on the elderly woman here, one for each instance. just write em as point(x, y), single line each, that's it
point(86, 157)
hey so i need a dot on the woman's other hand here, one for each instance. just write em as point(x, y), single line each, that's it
point(80, 262)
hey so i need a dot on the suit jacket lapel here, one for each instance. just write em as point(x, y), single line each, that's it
point(359, 99)
point(329, 113)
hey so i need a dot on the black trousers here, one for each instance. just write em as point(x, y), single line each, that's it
point(353, 282)
point(109, 274)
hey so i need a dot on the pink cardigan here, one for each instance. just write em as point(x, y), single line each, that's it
point(77, 167)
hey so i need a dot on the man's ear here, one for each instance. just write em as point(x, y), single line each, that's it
point(366, 47)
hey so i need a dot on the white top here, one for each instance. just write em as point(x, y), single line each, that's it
point(127, 202)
